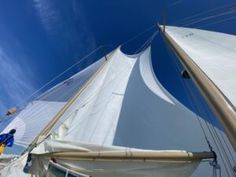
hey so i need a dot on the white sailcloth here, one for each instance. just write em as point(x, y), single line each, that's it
point(126, 106)
point(36, 115)
point(213, 52)
point(32, 119)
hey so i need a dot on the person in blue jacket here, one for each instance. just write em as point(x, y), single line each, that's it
point(7, 139)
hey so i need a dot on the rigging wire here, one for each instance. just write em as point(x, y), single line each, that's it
point(41, 108)
point(34, 113)
point(192, 22)
point(62, 73)
point(224, 145)
point(29, 98)
point(216, 140)
point(216, 22)
point(231, 154)
point(226, 7)
point(138, 35)
point(147, 42)
point(211, 130)
point(81, 60)
point(219, 140)
point(220, 147)
point(193, 101)
point(232, 11)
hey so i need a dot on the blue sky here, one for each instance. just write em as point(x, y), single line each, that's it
point(41, 38)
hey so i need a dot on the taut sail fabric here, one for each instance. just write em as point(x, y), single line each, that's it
point(36, 115)
point(32, 119)
point(95, 114)
point(213, 52)
point(125, 105)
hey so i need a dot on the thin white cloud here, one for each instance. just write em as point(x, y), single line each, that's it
point(74, 30)
point(15, 85)
point(177, 2)
point(48, 14)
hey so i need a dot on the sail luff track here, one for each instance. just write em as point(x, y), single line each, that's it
point(221, 106)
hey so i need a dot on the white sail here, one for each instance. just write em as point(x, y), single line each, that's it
point(125, 98)
point(122, 122)
point(36, 115)
point(96, 112)
point(126, 106)
point(198, 52)
point(213, 52)
point(32, 119)
point(15, 167)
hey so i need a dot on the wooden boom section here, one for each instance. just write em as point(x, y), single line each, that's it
point(129, 154)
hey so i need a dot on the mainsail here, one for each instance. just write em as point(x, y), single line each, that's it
point(127, 124)
point(210, 57)
point(125, 98)
point(121, 122)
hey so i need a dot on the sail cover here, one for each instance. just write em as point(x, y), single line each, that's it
point(213, 52)
point(35, 116)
